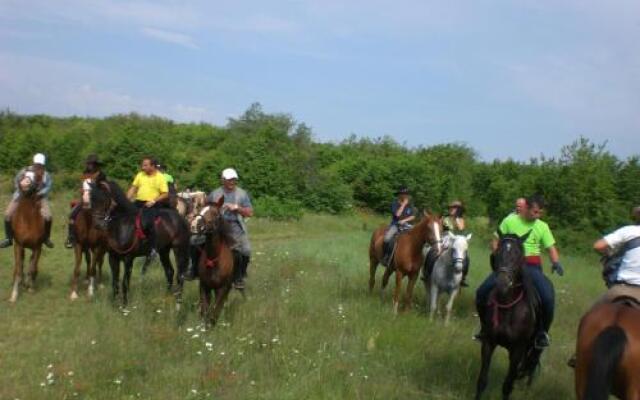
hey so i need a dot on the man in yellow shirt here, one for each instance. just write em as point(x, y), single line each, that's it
point(148, 190)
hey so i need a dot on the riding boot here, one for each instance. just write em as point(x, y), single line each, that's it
point(238, 278)
point(47, 234)
point(71, 236)
point(8, 232)
point(386, 253)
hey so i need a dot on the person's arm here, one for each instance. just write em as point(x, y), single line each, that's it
point(602, 247)
point(131, 193)
point(408, 219)
point(401, 208)
point(47, 185)
point(460, 224)
point(549, 243)
point(244, 207)
point(554, 255)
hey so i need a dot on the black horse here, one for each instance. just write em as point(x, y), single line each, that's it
point(113, 212)
point(509, 319)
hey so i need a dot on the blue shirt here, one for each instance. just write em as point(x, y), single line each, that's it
point(407, 212)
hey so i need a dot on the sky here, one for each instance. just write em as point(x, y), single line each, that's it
point(512, 79)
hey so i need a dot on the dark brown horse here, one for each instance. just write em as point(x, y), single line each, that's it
point(91, 243)
point(119, 218)
point(29, 233)
point(608, 351)
point(408, 256)
point(509, 320)
point(215, 266)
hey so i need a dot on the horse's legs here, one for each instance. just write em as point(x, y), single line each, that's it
point(221, 296)
point(515, 358)
point(87, 260)
point(18, 257)
point(165, 260)
point(99, 262)
point(114, 263)
point(91, 272)
point(408, 297)
point(385, 281)
point(181, 255)
point(33, 267)
point(397, 291)
point(434, 300)
point(205, 301)
point(373, 266)
point(452, 297)
point(487, 353)
point(126, 279)
point(77, 255)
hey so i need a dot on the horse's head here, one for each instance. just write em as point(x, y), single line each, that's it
point(97, 198)
point(209, 219)
point(459, 245)
point(509, 259)
point(434, 231)
point(27, 185)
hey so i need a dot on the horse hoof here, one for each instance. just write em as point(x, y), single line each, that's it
point(13, 298)
point(74, 296)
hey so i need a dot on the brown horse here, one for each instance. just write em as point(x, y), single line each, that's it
point(408, 257)
point(215, 267)
point(90, 242)
point(29, 233)
point(608, 351)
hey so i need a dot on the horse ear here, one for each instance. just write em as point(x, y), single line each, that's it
point(220, 202)
point(524, 237)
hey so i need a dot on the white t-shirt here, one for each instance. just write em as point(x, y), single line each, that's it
point(629, 271)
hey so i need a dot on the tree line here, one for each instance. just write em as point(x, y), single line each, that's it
point(588, 189)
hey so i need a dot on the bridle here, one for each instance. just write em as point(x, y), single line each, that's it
point(508, 271)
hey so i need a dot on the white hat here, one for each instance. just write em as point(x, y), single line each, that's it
point(229, 174)
point(39, 159)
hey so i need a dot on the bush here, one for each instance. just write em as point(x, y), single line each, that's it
point(277, 209)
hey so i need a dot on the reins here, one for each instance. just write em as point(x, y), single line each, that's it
point(497, 306)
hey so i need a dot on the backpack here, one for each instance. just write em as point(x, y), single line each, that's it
point(611, 264)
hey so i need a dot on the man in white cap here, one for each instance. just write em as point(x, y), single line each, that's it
point(237, 206)
point(43, 184)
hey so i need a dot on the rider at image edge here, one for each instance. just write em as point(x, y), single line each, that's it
point(43, 183)
point(540, 237)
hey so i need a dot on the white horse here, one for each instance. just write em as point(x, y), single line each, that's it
point(447, 272)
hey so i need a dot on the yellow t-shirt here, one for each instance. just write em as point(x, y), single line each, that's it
point(150, 187)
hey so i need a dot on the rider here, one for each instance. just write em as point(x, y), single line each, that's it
point(43, 183)
point(92, 173)
point(402, 214)
point(540, 237)
point(521, 204)
point(171, 183)
point(148, 190)
point(627, 278)
point(237, 206)
point(454, 223)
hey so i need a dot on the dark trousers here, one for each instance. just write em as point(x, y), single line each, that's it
point(543, 287)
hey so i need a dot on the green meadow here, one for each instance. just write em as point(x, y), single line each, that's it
point(308, 328)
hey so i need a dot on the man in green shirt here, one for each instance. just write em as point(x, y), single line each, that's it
point(171, 184)
point(540, 238)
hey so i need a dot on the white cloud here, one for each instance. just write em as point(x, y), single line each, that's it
point(170, 37)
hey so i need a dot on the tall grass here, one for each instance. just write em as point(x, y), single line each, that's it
point(308, 329)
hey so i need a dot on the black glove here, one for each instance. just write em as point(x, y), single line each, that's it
point(557, 268)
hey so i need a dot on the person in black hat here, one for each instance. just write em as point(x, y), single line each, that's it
point(402, 214)
point(92, 173)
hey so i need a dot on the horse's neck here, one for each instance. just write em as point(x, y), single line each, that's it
point(418, 234)
point(214, 244)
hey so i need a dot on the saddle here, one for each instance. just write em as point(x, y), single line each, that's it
point(392, 246)
point(628, 301)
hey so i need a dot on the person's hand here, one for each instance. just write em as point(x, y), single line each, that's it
point(404, 202)
point(231, 207)
point(557, 268)
point(150, 203)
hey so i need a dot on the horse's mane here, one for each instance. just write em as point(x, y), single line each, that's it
point(223, 232)
point(120, 197)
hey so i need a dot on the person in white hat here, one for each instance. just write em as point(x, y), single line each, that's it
point(237, 206)
point(43, 183)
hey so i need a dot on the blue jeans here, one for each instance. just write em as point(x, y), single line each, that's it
point(543, 287)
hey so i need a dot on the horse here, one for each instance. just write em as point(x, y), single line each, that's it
point(91, 243)
point(509, 320)
point(120, 219)
point(29, 233)
point(216, 263)
point(608, 351)
point(445, 274)
point(408, 256)
point(189, 204)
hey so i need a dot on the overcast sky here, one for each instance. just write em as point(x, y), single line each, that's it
point(510, 78)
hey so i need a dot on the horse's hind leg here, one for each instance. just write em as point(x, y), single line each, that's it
point(18, 257)
point(483, 378)
point(433, 295)
point(452, 297)
point(99, 262)
point(91, 272)
point(397, 292)
point(373, 266)
point(114, 263)
point(385, 280)
point(221, 296)
point(77, 254)
point(165, 260)
point(515, 359)
point(408, 298)
point(126, 279)
point(205, 301)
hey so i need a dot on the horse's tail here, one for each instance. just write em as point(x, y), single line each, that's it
point(606, 355)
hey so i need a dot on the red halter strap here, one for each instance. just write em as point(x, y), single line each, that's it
point(211, 262)
point(497, 306)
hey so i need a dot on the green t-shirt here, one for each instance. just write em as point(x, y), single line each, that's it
point(540, 237)
point(168, 178)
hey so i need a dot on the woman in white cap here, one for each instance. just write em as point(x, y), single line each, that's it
point(237, 206)
point(43, 183)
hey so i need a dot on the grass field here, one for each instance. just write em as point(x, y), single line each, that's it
point(308, 329)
